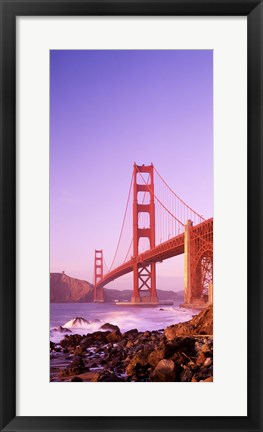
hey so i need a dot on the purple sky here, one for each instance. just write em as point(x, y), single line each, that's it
point(109, 109)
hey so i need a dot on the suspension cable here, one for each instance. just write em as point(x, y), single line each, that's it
point(159, 200)
point(144, 196)
point(123, 222)
point(183, 202)
point(105, 264)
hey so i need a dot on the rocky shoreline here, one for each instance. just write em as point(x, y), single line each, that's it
point(181, 353)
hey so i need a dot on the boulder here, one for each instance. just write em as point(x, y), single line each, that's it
point(181, 344)
point(76, 367)
point(208, 361)
point(201, 324)
point(200, 359)
point(138, 361)
point(155, 356)
point(210, 379)
point(78, 350)
point(165, 371)
point(170, 349)
point(77, 322)
point(52, 345)
point(186, 375)
point(108, 326)
point(203, 373)
point(106, 376)
point(61, 329)
point(129, 344)
point(77, 379)
point(114, 336)
point(71, 341)
point(132, 332)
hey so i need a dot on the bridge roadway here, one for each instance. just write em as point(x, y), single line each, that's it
point(165, 250)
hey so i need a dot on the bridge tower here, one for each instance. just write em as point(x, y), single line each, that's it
point(98, 296)
point(144, 274)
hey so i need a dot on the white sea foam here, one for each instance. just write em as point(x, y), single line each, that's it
point(77, 323)
point(90, 317)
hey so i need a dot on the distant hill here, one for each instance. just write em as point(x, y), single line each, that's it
point(65, 289)
point(113, 294)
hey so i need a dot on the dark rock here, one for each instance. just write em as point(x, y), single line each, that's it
point(114, 336)
point(86, 342)
point(183, 344)
point(178, 358)
point(132, 332)
point(108, 326)
point(52, 345)
point(71, 341)
point(92, 339)
point(155, 356)
point(208, 361)
point(170, 349)
point(201, 359)
point(203, 373)
point(146, 334)
point(77, 379)
point(107, 376)
point(76, 367)
point(78, 351)
point(93, 364)
point(165, 371)
point(186, 375)
point(210, 379)
point(200, 324)
point(139, 360)
point(79, 322)
point(61, 329)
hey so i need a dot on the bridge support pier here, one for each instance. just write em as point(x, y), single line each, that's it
point(198, 265)
point(210, 293)
point(187, 264)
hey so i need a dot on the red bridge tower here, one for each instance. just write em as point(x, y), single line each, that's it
point(98, 275)
point(144, 274)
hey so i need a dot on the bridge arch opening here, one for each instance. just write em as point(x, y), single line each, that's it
point(144, 244)
point(142, 178)
point(144, 220)
point(203, 276)
point(170, 276)
point(143, 197)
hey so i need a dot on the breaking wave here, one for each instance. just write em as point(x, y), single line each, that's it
point(77, 322)
point(125, 318)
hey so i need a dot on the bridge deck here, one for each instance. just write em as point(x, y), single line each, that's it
point(168, 249)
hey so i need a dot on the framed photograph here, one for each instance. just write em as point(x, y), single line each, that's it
point(131, 246)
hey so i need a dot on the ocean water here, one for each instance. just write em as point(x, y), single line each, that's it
point(125, 317)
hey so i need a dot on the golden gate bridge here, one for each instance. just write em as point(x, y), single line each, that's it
point(163, 226)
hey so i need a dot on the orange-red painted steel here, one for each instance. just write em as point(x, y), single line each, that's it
point(144, 275)
point(98, 276)
point(201, 234)
point(143, 264)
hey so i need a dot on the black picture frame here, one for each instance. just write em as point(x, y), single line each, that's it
point(10, 9)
